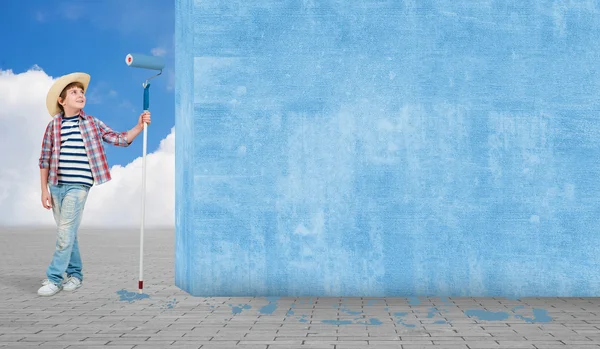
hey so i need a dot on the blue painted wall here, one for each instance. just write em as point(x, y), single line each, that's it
point(388, 148)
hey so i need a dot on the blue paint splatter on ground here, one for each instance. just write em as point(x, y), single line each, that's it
point(291, 312)
point(401, 314)
point(268, 309)
point(414, 301)
point(488, 315)
point(446, 301)
point(349, 312)
point(306, 302)
point(375, 322)
point(539, 315)
point(337, 322)
point(239, 309)
point(170, 304)
point(371, 322)
point(131, 297)
point(271, 307)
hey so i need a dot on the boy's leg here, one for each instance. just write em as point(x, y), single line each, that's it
point(70, 202)
point(57, 194)
point(75, 264)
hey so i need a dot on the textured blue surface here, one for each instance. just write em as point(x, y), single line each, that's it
point(387, 148)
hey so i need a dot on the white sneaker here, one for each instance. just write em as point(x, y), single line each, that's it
point(72, 284)
point(49, 289)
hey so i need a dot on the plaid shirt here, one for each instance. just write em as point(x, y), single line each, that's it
point(93, 131)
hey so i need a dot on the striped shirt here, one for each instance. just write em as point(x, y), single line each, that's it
point(93, 132)
point(73, 163)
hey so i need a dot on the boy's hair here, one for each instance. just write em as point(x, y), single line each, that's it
point(63, 94)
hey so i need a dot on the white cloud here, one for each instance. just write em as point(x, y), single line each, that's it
point(127, 105)
point(100, 92)
point(158, 51)
point(23, 119)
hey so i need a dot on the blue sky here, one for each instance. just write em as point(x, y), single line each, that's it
point(61, 37)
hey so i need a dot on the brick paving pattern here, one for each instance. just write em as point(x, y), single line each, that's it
point(105, 312)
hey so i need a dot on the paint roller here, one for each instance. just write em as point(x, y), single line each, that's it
point(152, 63)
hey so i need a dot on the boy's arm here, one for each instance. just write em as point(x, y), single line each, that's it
point(44, 162)
point(134, 132)
point(120, 139)
point(44, 165)
point(44, 178)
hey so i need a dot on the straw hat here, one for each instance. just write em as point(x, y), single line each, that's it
point(59, 86)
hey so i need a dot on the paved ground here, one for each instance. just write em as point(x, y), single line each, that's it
point(104, 314)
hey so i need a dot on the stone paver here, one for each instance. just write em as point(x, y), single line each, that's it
point(99, 316)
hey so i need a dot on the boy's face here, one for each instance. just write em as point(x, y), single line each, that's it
point(74, 99)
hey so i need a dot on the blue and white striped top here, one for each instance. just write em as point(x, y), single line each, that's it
point(73, 163)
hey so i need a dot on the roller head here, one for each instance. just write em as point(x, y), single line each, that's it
point(146, 62)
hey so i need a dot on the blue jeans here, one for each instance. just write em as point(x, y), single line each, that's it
point(68, 201)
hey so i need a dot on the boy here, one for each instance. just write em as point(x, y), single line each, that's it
point(72, 160)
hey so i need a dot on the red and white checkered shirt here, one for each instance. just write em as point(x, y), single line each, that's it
point(93, 132)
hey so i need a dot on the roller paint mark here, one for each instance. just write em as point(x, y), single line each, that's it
point(446, 301)
point(440, 322)
point(374, 301)
point(303, 319)
point(131, 297)
point(487, 315)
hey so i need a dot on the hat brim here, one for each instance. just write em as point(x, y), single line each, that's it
point(59, 85)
